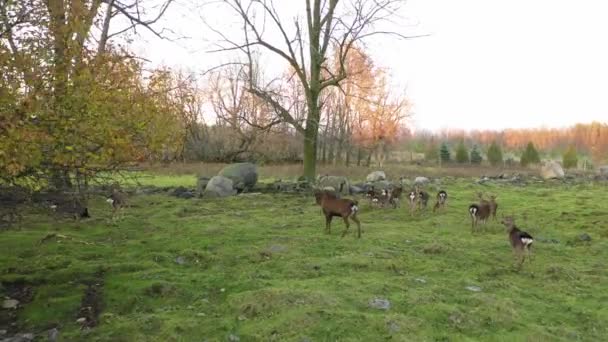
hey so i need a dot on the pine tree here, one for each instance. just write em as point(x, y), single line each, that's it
point(476, 157)
point(530, 155)
point(570, 158)
point(495, 154)
point(462, 156)
point(444, 152)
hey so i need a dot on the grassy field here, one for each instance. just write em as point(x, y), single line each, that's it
point(260, 268)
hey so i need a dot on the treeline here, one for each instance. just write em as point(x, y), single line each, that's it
point(586, 139)
point(494, 155)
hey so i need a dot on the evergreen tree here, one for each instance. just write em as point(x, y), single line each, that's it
point(530, 155)
point(495, 154)
point(462, 156)
point(476, 157)
point(570, 158)
point(444, 152)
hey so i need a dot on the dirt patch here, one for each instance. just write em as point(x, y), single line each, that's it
point(91, 304)
point(20, 291)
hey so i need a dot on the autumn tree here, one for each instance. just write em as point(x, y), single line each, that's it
point(530, 155)
point(570, 158)
point(77, 103)
point(330, 24)
point(494, 154)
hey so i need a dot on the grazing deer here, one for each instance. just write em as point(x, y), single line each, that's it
point(332, 206)
point(479, 212)
point(521, 241)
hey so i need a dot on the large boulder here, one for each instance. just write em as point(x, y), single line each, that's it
point(341, 184)
point(421, 181)
point(603, 171)
point(201, 185)
point(379, 185)
point(552, 170)
point(376, 176)
point(243, 175)
point(220, 186)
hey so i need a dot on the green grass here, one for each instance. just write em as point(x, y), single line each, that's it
point(260, 268)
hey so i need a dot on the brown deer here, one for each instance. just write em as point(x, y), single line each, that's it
point(332, 206)
point(521, 241)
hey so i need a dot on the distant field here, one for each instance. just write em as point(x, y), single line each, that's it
point(260, 268)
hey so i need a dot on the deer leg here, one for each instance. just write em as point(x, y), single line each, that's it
point(328, 218)
point(347, 225)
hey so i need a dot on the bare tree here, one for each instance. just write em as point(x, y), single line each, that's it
point(246, 115)
point(327, 24)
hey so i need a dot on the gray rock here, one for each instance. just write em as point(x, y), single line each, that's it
point(421, 280)
point(182, 192)
point(53, 334)
point(243, 175)
point(552, 170)
point(233, 338)
point(379, 185)
point(354, 190)
point(340, 184)
point(219, 186)
point(201, 185)
point(20, 338)
point(3, 332)
point(603, 171)
point(584, 237)
point(376, 176)
point(380, 304)
point(421, 181)
point(180, 260)
point(81, 320)
point(473, 288)
point(10, 303)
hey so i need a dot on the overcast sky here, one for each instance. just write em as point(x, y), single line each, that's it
point(486, 64)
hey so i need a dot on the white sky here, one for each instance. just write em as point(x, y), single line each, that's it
point(487, 63)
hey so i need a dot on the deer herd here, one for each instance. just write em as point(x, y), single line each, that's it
point(334, 206)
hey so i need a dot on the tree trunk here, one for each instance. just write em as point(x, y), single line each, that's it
point(310, 143)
